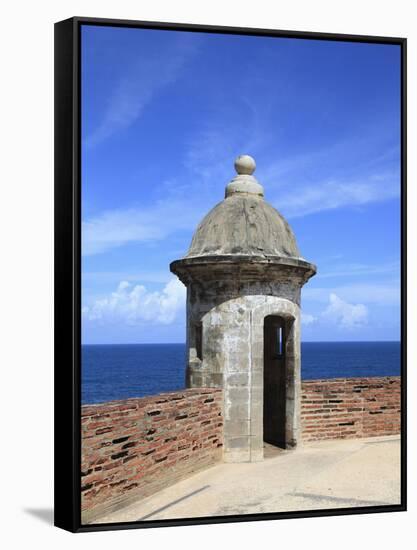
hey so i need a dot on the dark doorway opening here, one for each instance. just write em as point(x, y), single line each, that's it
point(274, 413)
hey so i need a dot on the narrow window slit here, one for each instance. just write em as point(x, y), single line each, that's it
point(199, 340)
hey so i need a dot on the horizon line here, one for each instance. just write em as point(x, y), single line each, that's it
point(184, 343)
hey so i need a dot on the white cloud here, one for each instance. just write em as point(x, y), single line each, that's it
point(115, 228)
point(132, 304)
point(379, 294)
point(344, 314)
point(308, 319)
point(339, 313)
point(329, 195)
point(139, 86)
point(206, 168)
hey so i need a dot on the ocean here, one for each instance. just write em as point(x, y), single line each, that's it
point(112, 372)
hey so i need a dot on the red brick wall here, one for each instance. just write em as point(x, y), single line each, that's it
point(134, 447)
point(350, 407)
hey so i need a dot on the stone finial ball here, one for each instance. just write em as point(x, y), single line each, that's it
point(244, 164)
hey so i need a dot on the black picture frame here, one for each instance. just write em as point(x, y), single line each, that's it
point(67, 271)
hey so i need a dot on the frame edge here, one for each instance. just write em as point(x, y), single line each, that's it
point(66, 383)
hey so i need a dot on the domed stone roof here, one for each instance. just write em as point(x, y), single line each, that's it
point(244, 223)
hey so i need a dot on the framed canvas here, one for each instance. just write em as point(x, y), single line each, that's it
point(230, 274)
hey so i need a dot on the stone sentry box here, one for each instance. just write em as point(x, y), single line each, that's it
point(244, 275)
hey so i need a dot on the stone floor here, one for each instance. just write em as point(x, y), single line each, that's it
point(327, 474)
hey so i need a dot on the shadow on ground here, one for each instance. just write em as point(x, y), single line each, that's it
point(43, 514)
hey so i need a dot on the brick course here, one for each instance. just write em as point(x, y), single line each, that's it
point(343, 408)
point(134, 447)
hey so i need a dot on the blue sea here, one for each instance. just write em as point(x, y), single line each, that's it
point(134, 370)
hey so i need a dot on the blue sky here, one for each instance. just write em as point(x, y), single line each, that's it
point(165, 113)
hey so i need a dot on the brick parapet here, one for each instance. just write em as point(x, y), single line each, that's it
point(343, 408)
point(135, 447)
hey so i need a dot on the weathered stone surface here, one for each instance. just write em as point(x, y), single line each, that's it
point(243, 224)
point(242, 266)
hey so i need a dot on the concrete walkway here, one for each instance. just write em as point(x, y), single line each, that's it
point(327, 474)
